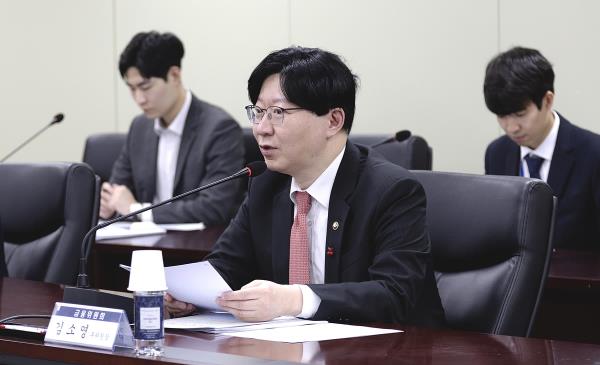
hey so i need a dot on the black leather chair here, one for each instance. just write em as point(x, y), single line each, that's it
point(491, 243)
point(46, 210)
point(412, 152)
point(101, 152)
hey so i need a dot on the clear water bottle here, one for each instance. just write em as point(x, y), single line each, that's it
point(149, 331)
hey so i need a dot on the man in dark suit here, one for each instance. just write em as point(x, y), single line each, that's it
point(330, 231)
point(541, 143)
point(178, 144)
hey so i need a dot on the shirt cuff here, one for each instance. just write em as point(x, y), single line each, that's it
point(310, 302)
point(144, 216)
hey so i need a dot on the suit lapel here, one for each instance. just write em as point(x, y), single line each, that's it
point(513, 160)
point(283, 212)
point(562, 158)
point(343, 186)
point(187, 139)
point(148, 175)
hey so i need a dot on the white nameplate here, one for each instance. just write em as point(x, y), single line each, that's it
point(89, 326)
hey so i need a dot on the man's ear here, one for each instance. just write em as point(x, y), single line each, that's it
point(548, 99)
point(337, 117)
point(174, 74)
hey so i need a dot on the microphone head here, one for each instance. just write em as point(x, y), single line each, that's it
point(57, 118)
point(256, 168)
point(402, 135)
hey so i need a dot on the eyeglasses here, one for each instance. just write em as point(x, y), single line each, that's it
point(273, 113)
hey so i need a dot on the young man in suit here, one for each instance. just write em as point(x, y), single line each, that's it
point(329, 231)
point(179, 143)
point(541, 143)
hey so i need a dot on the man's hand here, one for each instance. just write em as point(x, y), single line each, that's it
point(176, 308)
point(262, 300)
point(121, 199)
point(106, 210)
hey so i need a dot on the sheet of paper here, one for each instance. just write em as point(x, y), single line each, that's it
point(197, 283)
point(183, 227)
point(315, 332)
point(129, 229)
point(225, 322)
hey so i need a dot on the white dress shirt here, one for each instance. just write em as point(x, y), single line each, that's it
point(320, 191)
point(545, 150)
point(169, 140)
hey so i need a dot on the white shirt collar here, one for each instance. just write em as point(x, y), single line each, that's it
point(546, 148)
point(179, 121)
point(320, 189)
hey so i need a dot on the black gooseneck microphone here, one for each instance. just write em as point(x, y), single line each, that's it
point(57, 119)
point(81, 294)
point(398, 136)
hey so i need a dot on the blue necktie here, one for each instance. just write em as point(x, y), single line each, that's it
point(533, 164)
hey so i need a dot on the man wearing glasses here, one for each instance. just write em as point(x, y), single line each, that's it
point(178, 144)
point(329, 231)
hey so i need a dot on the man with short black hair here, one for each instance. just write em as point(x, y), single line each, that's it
point(541, 143)
point(178, 144)
point(330, 231)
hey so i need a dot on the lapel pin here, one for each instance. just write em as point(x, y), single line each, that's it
point(335, 225)
point(329, 251)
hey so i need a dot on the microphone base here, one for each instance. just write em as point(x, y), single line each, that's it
point(100, 298)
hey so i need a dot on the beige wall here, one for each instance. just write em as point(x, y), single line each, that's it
point(420, 62)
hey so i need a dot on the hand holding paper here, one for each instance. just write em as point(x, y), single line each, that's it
point(198, 284)
point(262, 300)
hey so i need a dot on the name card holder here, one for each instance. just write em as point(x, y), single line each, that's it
point(89, 326)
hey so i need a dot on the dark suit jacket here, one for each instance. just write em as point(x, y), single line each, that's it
point(381, 268)
point(211, 148)
point(574, 178)
point(3, 269)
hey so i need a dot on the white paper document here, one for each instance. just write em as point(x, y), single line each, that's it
point(137, 229)
point(212, 322)
point(183, 227)
point(315, 332)
point(198, 283)
point(128, 229)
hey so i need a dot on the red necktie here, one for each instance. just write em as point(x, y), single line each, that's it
point(299, 245)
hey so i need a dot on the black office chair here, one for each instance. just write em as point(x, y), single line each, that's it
point(101, 152)
point(46, 209)
point(403, 149)
point(491, 243)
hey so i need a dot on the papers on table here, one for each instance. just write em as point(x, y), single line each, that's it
point(224, 323)
point(183, 227)
point(198, 283)
point(315, 332)
point(135, 229)
point(129, 229)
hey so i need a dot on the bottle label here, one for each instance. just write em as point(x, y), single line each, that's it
point(149, 317)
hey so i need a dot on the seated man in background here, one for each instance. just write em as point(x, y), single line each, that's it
point(330, 230)
point(543, 144)
point(178, 144)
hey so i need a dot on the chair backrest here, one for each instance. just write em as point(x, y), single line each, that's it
point(101, 152)
point(412, 152)
point(46, 210)
point(491, 239)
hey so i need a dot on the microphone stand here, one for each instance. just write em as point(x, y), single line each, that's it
point(57, 119)
point(82, 294)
